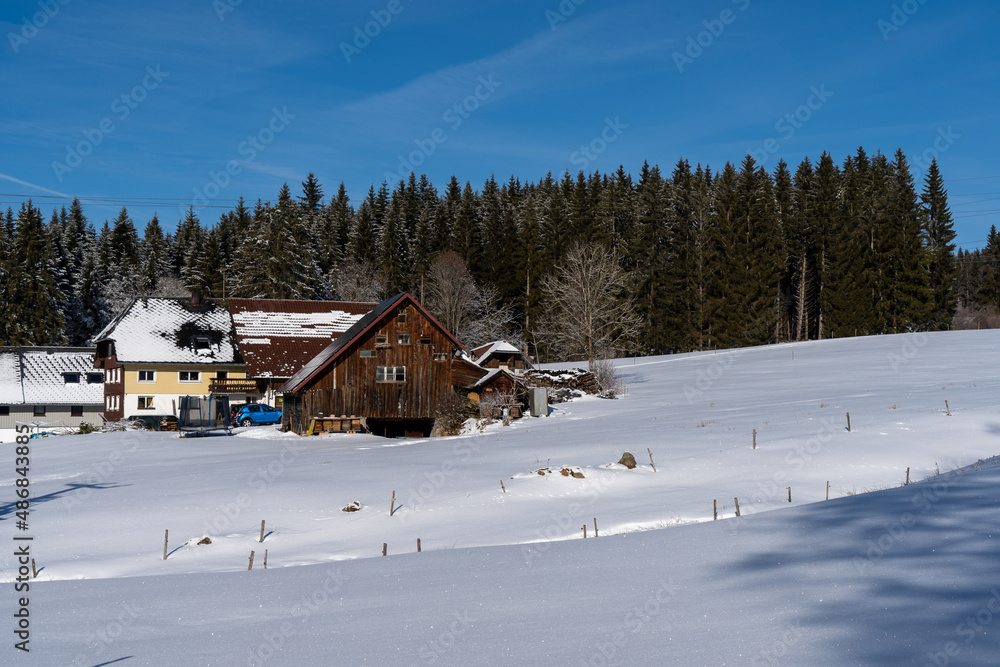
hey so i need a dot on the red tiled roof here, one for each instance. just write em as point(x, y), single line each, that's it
point(277, 337)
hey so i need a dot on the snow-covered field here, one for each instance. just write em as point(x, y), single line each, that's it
point(904, 575)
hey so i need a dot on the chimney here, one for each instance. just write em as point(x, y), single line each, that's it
point(195, 297)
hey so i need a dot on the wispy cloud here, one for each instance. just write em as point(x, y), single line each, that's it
point(35, 187)
point(540, 61)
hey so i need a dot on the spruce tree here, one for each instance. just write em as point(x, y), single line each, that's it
point(33, 296)
point(988, 292)
point(939, 237)
point(312, 194)
point(465, 233)
point(363, 234)
point(908, 294)
point(155, 261)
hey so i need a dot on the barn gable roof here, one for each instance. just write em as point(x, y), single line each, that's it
point(277, 337)
point(370, 322)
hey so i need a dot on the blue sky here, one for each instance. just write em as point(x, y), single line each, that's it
point(161, 106)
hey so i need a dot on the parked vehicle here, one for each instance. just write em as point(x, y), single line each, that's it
point(257, 413)
point(234, 409)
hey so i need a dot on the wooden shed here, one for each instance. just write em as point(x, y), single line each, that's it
point(501, 354)
point(392, 368)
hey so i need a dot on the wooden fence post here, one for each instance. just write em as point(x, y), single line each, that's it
point(265, 559)
point(165, 533)
point(595, 526)
point(947, 409)
point(385, 548)
point(651, 459)
point(34, 573)
point(584, 531)
point(755, 438)
point(789, 494)
point(715, 510)
point(261, 531)
point(828, 490)
point(737, 501)
point(250, 566)
point(848, 422)
point(392, 503)
point(907, 476)
point(418, 545)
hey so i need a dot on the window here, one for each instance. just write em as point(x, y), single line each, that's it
point(94, 378)
point(381, 339)
point(4, 410)
point(189, 376)
point(425, 340)
point(390, 373)
point(39, 410)
point(440, 356)
point(366, 354)
point(403, 338)
point(76, 411)
point(145, 402)
point(202, 344)
point(401, 318)
point(71, 378)
point(147, 376)
point(221, 375)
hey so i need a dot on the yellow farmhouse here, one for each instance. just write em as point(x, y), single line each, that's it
point(159, 349)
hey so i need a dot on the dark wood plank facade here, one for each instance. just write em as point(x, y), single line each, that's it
point(506, 360)
point(403, 337)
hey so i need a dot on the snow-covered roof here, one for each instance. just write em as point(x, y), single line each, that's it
point(11, 392)
point(491, 376)
point(484, 352)
point(50, 376)
point(277, 337)
point(158, 330)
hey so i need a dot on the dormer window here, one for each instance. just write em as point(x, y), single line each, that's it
point(202, 344)
point(71, 378)
point(95, 378)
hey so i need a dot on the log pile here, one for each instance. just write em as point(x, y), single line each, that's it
point(574, 378)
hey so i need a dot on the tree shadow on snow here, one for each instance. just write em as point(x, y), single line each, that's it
point(904, 568)
point(11, 507)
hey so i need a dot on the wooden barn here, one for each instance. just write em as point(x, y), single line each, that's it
point(392, 368)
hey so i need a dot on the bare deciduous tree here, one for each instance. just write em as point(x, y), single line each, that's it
point(588, 311)
point(471, 312)
point(120, 290)
point(358, 281)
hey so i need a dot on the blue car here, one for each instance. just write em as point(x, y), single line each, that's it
point(257, 413)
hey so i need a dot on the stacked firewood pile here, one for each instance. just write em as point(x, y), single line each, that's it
point(574, 378)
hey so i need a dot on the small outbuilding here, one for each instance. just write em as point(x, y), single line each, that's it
point(501, 354)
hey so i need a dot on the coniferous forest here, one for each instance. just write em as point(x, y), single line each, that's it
point(710, 259)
